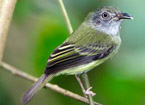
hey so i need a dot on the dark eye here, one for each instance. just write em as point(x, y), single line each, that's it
point(105, 15)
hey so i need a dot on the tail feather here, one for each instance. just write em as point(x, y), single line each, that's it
point(27, 96)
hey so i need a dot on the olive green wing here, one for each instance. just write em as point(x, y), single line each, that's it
point(69, 55)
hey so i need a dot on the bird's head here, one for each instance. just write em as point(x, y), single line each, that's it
point(107, 19)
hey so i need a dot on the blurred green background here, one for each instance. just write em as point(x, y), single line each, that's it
point(38, 27)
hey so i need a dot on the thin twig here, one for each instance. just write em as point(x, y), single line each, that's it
point(87, 85)
point(70, 29)
point(56, 88)
point(6, 12)
point(66, 18)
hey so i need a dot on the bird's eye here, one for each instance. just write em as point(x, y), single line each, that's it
point(105, 15)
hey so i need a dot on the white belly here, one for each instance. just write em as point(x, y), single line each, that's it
point(80, 69)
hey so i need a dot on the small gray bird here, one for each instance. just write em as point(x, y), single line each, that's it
point(96, 40)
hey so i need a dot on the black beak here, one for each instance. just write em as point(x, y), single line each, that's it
point(124, 16)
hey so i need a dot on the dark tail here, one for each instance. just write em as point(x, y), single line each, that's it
point(27, 96)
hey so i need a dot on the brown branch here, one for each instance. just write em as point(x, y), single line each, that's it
point(6, 12)
point(56, 88)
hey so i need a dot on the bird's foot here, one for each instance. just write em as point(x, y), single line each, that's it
point(89, 92)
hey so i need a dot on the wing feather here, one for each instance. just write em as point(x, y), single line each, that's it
point(68, 55)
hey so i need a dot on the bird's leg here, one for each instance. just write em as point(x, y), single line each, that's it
point(85, 92)
point(87, 85)
point(81, 84)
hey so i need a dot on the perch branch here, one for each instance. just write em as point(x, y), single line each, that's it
point(56, 88)
point(87, 85)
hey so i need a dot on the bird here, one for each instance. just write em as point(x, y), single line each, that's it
point(96, 40)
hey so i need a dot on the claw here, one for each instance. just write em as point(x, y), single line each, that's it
point(89, 92)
